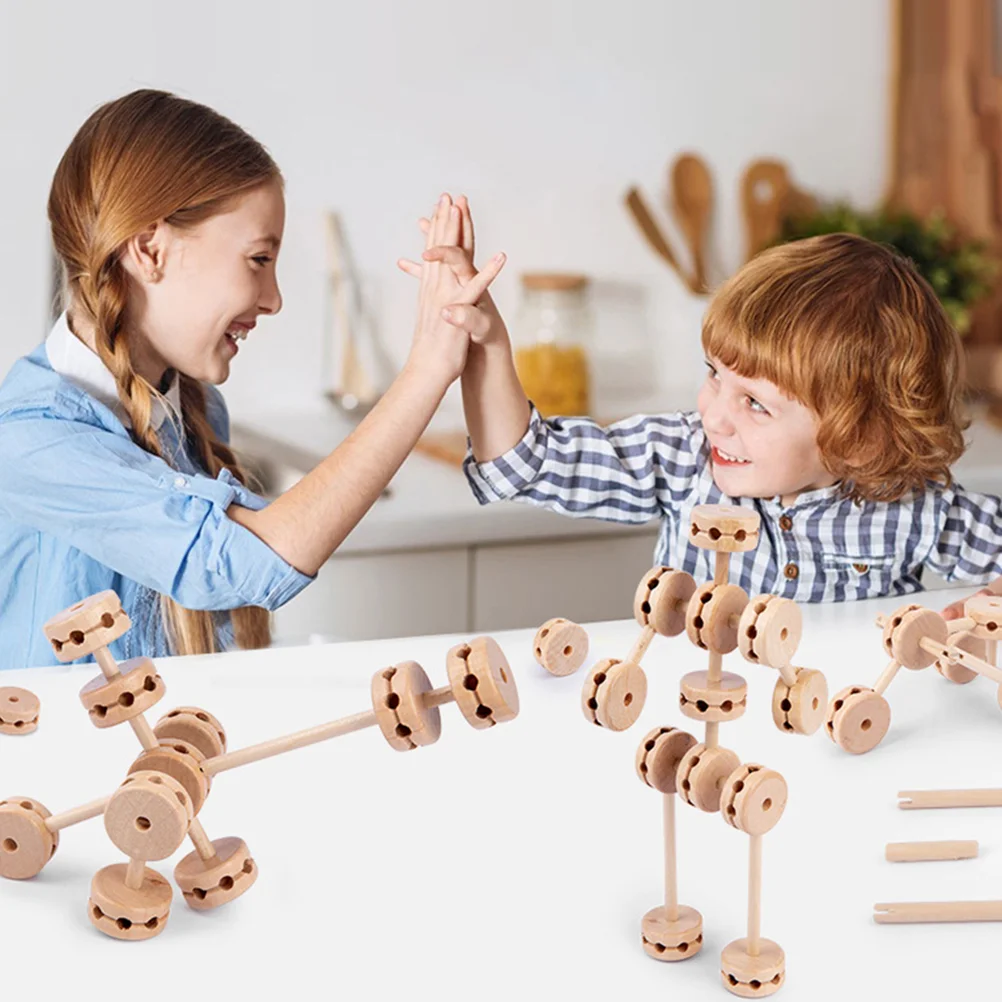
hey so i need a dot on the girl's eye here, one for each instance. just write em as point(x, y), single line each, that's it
point(756, 406)
point(261, 259)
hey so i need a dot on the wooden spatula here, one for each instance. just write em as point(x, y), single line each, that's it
point(692, 202)
point(650, 229)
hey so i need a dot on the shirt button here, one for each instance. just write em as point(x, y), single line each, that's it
point(791, 571)
point(180, 482)
point(786, 523)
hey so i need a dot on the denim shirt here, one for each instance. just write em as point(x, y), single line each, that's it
point(83, 508)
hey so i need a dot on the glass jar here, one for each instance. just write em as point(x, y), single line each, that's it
point(553, 326)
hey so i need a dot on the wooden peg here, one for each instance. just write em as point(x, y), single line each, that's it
point(966, 641)
point(886, 677)
point(560, 646)
point(918, 852)
point(955, 653)
point(937, 911)
point(916, 800)
point(639, 648)
point(19, 709)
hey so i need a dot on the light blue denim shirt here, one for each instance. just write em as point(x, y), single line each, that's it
point(83, 508)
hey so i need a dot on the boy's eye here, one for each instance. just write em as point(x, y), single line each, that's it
point(711, 371)
point(756, 406)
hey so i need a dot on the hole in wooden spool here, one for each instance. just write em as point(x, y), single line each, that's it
point(181, 749)
point(751, 633)
point(124, 923)
point(471, 682)
point(539, 652)
point(568, 651)
point(786, 706)
point(776, 980)
point(182, 799)
point(838, 704)
point(248, 866)
point(740, 535)
point(714, 532)
point(784, 633)
point(649, 745)
point(698, 622)
point(12, 699)
point(143, 824)
point(483, 712)
point(653, 583)
point(767, 804)
point(682, 947)
point(754, 984)
point(694, 763)
point(153, 923)
point(645, 608)
point(627, 699)
point(739, 786)
point(403, 731)
point(203, 717)
point(97, 913)
point(866, 725)
point(727, 706)
point(156, 780)
point(593, 703)
point(226, 883)
point(199, 893)
point(392, 701)
point(149, 683)
point(599, 678)
point(107, 620)
point(77, 637)
point(9, 845)
point(544, 633)
point(814, 703)
point(702, 705)
point(504, 677)
point(126, 699)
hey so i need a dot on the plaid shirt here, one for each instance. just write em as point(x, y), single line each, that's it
point(821, 548)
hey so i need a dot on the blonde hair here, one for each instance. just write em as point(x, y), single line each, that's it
point(850, 329)
point(145, 157)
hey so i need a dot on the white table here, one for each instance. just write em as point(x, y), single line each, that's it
point(517, 861)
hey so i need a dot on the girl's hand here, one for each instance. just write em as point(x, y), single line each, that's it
point(956, 609)
point(481, 321)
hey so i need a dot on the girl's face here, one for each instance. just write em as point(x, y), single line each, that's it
point(763, 443)
point(199, 292)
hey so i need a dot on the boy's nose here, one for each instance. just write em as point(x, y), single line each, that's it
point(716, 419)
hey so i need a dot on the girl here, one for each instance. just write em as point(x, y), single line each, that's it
point(116, 473)
point(832, 406)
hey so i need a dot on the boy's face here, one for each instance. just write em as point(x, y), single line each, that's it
point(763, 443)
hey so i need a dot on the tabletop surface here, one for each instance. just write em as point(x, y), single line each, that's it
point(518, 859)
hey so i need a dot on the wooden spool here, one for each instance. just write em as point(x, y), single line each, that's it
point(614, 694)
point(858, 719)
point(181, 761)
point(19, 709)
point(753, 799)
point(769, 630)
point(114, 701)
point(802, 707)
point(752, 977)
point(702, 773)
point(724, 528)
point(560, 646)
point(659, 755)
point(664, 938)
point(482, 682)
point(904, 630)
point(661, 600)
point(196, 726)
point(714, 702)
point(398, 701)
point(207, 884)
point(713, 615)
point(83, 628)
point(148, 816)
point(124, 912)
point(26, 845)
point(986, 611)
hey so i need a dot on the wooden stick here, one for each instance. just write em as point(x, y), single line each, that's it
point(107, 663)
point(439, 697)
point(201, 841)
point(962, 657)
point(964, 625)
point(920, 852)
point(754, 894)
point(638, 650)
point(671, 872)
point(886, 677)
point(917, 800)
point(134, 874)
point(57, 822)
point(789, 674)
point(277, 746)
point(713, 678)
point(937, 911)
point(721, 566)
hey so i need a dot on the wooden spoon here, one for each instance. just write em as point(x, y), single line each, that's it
point(650, 229)
point(692, 202)
point(764, 189)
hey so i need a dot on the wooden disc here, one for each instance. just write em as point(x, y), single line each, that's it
point(482, 682)
point(713, 615)
point(87, 626)
point(614, 694)
point(986, 611)
point(672, 939)
point(659, 755)
point(858, 719)
point(701, 775)
point(560, 646)
point(723, 527)
point(207, 884)
point(662, 598)
point(753, 799)
point(957, 673)
point(18, 710)
point(725, 700)
point(398, 701)
point(26, 845)
point(770, 630)
point(800, 708)
point(196, 726)
point(752, 977)
point(128, 913)
point(116, 700)
point(181, 761)
point(906, 628)
point(148, 815)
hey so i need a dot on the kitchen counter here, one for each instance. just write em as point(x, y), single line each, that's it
point(518, 861)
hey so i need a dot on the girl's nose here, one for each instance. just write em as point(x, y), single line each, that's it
point(271, 299)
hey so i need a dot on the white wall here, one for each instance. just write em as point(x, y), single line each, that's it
point(543, 112)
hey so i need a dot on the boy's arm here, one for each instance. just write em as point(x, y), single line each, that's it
point(497, 411)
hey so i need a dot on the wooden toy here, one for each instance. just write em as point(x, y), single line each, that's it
point(19, 710)
point(718, 618)
point(916, 800)
point(156, 807)
point(937, 911)
point(919, 852)
point(560, 646)
point(858, 717)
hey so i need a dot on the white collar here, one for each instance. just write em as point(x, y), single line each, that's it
point(73, 360)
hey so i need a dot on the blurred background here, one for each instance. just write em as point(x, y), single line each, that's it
point(735, 124)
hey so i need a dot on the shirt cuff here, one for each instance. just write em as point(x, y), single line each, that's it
point(507, 476)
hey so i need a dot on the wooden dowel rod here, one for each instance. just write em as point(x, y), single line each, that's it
point(144, 732)
point(201, 841)
point(920, 852)
point(789, 674)
point(721, 566)
point(964, 625)
point(993, 647)
point(439, 697)
point(754, 894)
point(886, 677)
point(952, 653)
point(916, 800)
point(937, 911)
point(639, 649)
point(671, 872)
point(57, 822)
point(134, 874)
point(107, 663)
point(712, 737)
point(277, 746)
point(881, 620)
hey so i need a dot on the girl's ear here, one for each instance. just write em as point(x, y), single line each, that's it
point(143, 255)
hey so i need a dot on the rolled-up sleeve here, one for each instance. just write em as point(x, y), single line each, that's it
point(128, 509)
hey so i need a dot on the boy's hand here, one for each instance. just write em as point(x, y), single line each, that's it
point(956, 609)
point(481, 319)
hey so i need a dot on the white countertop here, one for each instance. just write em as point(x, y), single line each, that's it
point(516, 862)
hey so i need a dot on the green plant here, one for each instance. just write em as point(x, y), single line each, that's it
point(960, 271)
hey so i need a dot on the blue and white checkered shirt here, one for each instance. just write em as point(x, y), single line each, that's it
point(820, 548)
